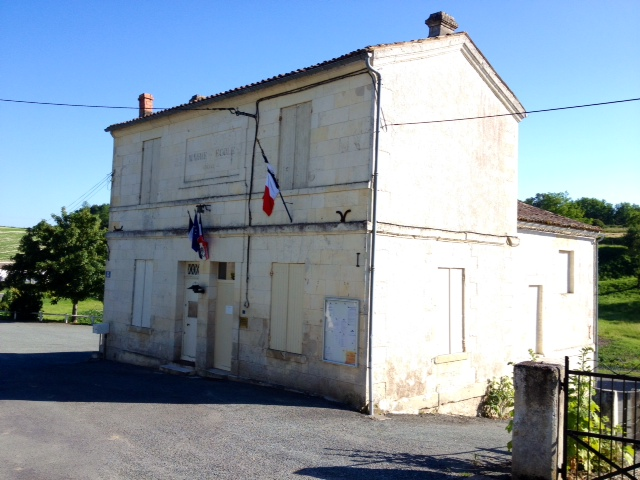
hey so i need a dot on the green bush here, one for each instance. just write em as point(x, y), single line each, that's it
point(27, 302)
point(614, 261)
point(617, 285)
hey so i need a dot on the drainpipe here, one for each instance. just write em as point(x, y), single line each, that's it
point(596, 293)
point(377, 81)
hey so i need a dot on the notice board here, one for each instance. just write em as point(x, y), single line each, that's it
point(341, 326)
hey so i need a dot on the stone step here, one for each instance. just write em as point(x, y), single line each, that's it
point(217, 374)
point(175, 369)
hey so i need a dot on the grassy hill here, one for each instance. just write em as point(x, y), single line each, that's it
point(9, 240)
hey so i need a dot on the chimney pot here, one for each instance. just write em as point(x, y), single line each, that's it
point(441, 23)
point(145, 102)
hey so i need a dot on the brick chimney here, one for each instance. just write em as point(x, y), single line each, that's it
point(440, 24)
point(145, 101)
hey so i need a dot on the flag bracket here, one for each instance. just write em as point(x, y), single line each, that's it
point(238, 113)
point(201, 208)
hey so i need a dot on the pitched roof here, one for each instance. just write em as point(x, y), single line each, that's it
point(347, 58)
point(531, 214)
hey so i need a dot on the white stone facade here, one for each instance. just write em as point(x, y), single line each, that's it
point(443, 206)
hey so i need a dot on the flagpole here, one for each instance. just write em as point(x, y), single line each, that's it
point(264, 157)
point(285, 205)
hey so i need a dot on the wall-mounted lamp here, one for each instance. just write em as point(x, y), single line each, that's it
point(196, 288)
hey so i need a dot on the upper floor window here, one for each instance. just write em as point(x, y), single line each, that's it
point(149, 182)
point(293, 158)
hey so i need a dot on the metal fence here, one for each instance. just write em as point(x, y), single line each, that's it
point(601, 425)
point(41, 315)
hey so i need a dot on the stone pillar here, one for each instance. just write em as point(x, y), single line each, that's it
point(537, 422)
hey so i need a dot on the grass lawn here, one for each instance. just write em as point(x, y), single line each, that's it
point(619, 323)
point(88, 307)
point(9, 240)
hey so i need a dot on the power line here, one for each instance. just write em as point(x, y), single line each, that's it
point(91, 192)
point(526, 112)
point(233, 110)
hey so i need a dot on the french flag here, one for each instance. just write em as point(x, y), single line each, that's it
point(271, 191)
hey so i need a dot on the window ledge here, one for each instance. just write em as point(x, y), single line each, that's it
point(451, 357)
point(287, 356)
point(144, 330)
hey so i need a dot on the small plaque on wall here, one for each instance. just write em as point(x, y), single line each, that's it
point(341, 326)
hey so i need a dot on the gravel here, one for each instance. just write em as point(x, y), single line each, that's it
point(64, 415)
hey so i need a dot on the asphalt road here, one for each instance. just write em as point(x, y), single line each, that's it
point(66, 416)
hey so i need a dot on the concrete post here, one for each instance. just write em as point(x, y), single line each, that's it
point(537, 421)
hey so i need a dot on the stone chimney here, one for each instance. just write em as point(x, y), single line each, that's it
point(440, 24)
point(145, 101)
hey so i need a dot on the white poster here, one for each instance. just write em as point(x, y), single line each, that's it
point(341, 325)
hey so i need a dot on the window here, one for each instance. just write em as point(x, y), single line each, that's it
point(287, 291)
point(149, 182)
point(566, 271)
point(143, 277)
point(449, 325)
point(293, 158)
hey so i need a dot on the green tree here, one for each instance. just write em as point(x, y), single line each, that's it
point(559, 203)
point(632, 240)
point(101, 211)
point(595, 209)
point(65, 260)
point(625, 213)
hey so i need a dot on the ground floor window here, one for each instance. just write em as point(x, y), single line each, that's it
point(449, 322)
point(287, 293)
point(143, 281)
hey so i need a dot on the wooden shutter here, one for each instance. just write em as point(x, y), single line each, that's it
point(143, 281)
point(293, 157)
point(287, 293)
point(279, 305)
point(150, 159)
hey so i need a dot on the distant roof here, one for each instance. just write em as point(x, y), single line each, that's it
point(356, 55)
point(531, 214)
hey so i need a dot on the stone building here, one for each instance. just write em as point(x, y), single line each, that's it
point(395, 268)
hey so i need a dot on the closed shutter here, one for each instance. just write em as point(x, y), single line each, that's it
point(293, 156)
point(149, 182)
point(279, 305)
point(287, 294)
point(143, 281)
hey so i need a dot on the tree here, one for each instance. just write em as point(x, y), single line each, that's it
point(632, 240)
point(559, 203)
point(101, 211)
point(625, 212)
point(595, 209)
point(64, 260)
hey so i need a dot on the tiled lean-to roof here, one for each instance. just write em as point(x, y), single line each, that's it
point(530, 214)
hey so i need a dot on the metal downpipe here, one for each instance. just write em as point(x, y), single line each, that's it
point(377, 80)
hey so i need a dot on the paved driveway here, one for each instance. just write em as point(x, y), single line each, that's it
point(64, 416)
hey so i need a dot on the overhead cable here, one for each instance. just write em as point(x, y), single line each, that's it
point(233, 110)
point(91, 192)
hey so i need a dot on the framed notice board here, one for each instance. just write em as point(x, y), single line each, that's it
point(341, 326)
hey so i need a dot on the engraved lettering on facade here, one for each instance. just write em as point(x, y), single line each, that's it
point(225, 151)
point(197, 157)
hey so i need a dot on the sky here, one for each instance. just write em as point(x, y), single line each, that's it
point(550, 53)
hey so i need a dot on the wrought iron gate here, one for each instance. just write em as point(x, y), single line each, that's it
point(601, 433)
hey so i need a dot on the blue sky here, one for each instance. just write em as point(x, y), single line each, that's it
point(550, 53)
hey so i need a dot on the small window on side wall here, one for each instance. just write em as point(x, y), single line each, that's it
point(449, 325)
point(566, 271)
